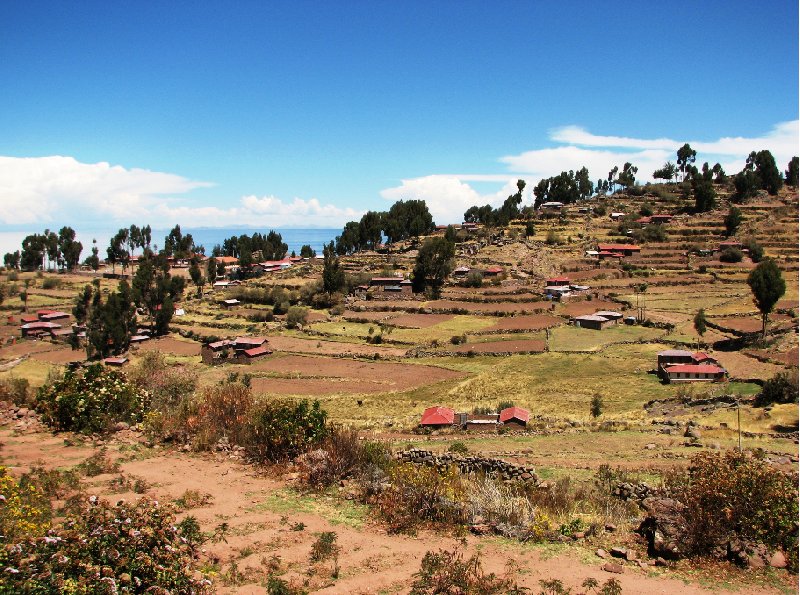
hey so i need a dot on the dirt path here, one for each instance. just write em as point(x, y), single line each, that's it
point(271, 526)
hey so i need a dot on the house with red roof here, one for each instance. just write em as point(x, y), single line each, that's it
point(514, 417)
point(678, 365)
point(391, 284)
point(241, 350)
point(623, 249)
point(493, 271)
point(437, 417)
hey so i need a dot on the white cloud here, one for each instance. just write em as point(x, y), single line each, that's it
point(265, 211)
point(63, 191)
point(59, 189)
point(448, 196)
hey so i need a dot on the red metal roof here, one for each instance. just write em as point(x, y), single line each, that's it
point(494, 269)
point(616, 247)
point(695, 369)
point(557, 280)
point(40, 325)
point(256, 351)
point(514, 413)
point(699, 356)
point(435, 416)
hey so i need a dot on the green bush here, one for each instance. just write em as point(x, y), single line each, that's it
point(296, 316)
point(474, 279)
point(458, 448)
point(91, 400)
point(129, 547)
point(755, 250)
point(731, 255)
point(734, 495)
point(781, 388)
point(282, 429)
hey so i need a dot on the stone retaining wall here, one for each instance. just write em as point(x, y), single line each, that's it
point(470, 464)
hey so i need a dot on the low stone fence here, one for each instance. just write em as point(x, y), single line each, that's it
point(470, 464)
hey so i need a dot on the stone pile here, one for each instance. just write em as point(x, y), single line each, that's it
point(21, 419)
point(468, 464)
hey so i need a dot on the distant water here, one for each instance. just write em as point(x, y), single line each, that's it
point(203, 236)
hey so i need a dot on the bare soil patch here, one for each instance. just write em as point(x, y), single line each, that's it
point(532, 322)
point(172, 345)
point(513, 346)
point(420, 320)
point(323, 347)
point(60, 356)
point(488, 308)
point(24, 347)
point(389, 375)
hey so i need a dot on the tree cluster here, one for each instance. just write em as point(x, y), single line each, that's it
point(404, 220)
point(567, 187)
point(760, 173)
point(110, 320)
point(250, 249)
point(501, 216)
point(59, 250)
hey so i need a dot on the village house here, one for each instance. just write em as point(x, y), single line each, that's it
point(493, 271)
point(616, 216)
point(592, 321)
point(437, 417)
point(461, 271)
point(557, 282)
point(231, 303)
point(116, 362)
point(391, 284)
point(38, 328)
point(617, 250)
point(514, 417)
point(481, 423)
point(692, 373)
point(552, 206)
point(241, 350)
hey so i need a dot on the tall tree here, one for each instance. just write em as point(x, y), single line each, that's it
point(627, 177)
point(33, 252)
point(686, 156)
point(11, 260)
point(667, 172)
point(767, 284)
point(612, 178)
point(69, 248)
point(197, 276)
point(767, 171)
point(433, 264)
point(733, 220)
point(792, 173)
point(704, 194)
point(700, 323)
point(332, 274)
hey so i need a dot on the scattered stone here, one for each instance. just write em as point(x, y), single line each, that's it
point(618, 552)
point(661, 561)
point(643, 565)
point(663, 526)
point(480, 529)
point(755, 561)
point(612, 567)
point(601, 553)
point(578, 535)
point(650, 446)
point(610, 527)
point(631, 556)
point(120, 426)
point(778, 560)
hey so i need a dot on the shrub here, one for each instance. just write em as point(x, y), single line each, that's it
point(732, 494)
point(25, 511)
point(281, 429)
point(98, 464)
point(458, 448)
point(171, 390)
point(449, 572)
point(473, 279)
point(340, 455)
point(755, 250)
point(127, 547)
point(91, 400)
point(16, 390)
point(731, 255)
point(553, 238)
point(51, 283)
point(261, 316)
point(296, 316)
point(504, 405)
point(781, 388)
point(222, 411)
point(417, 494)
point(596, 407)
point(324, 547)
point(458, 339)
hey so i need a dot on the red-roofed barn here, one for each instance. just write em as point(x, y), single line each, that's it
point(437, 417)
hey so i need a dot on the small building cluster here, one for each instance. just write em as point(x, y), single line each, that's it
point(678, 365)
point(617, 250)
point(559, 288)
point(439, 417)
point(43, 324)
point(241, 350)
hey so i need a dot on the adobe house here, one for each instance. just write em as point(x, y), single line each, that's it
point(661, 219)
point(610, 315)
point(623, 249)
point(692, 373)
point(592, 321)
point(391, 284)
point(241, 350)
point(493, 271)
point(481, 423)
point(515, 417)
point(557, 291)
point(230, 303)
point(681, 356)
point(616, 216)
point(51, 315)
point(437, 417)
point(557, 282)
point(461, 271)
point(38, 328)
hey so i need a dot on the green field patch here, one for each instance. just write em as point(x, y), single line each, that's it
point(335, 511)
point(572, 338)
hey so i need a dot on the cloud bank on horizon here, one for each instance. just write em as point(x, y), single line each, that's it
point(60, 190)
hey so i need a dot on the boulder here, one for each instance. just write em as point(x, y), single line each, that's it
point(601, 553)
point(618, 552)
point(777, 560)
point(613, 567)
point(663, 527)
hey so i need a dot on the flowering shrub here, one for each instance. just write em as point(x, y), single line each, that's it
point(127, 548)
point(91, 400)
point(24, 509)
point(280, 429)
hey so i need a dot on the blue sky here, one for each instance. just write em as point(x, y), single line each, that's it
point(281, 114)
